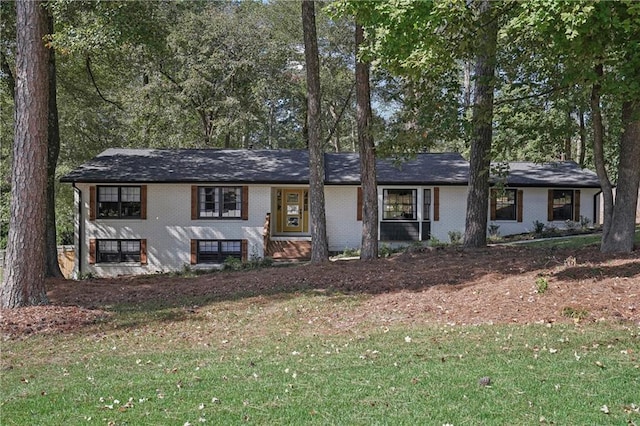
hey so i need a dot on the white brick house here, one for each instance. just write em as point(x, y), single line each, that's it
point(147, 210)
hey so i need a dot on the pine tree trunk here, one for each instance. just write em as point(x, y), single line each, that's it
point(568, 154)
point(475, 234)
point(53, 145)
point(620, 235)
point(319, 245)
point(369, 245)
point(23, 282)
point(598, 155)
point(583, 140)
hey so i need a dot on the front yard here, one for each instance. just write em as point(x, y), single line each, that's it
point(387, 342)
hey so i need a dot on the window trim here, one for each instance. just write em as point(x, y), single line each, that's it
point(196, 212)
point(575, 205)
point(495, 205)
point(414, 204)
point(96, 258)
point(196, 256)
point(518, 205)
point(94, 202)
point(426, 204)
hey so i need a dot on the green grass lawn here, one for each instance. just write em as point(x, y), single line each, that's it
point(574, 242)
point(261, 362)
point(280, 360)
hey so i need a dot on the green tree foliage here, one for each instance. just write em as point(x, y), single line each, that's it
point(7, 87)
point(599, 43)
point(201, 73)
point(121, 66)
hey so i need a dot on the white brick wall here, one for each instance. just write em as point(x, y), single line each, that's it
point(534, 208)
point(343, 228)
point(168, 228)
point(453, 211)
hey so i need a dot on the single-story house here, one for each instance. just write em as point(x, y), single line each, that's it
point(156, 210)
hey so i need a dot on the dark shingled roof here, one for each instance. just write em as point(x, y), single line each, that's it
point(424, 169)
point(557, 174)
point(194, 165)
point(283, 166)
point(259, 166)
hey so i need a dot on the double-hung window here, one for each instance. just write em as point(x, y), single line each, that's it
point(561, 204)
point(119, 202)
point(216, 251)
point(426, 205)
point(399, 204)
point(400, 215)
point(503, 204)
point(219, 202)
point(118, 251)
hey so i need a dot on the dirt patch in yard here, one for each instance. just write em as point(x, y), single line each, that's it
point(501, 284)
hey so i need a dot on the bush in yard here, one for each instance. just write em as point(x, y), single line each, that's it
point(584, 222)
point(538, 227)
point(541, 285)
point(455, 237)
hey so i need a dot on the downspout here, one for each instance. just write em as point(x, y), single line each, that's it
point(79, 238)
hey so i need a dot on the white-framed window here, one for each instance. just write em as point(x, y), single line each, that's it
point(217, 251)
point(399, 204)
point(215, 202)
point(118, 251)
point(119, 202)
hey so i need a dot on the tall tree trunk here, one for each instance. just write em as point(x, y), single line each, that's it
point(53, 145)
point(369, 245)
point(583, 139)
point(475, 234)
point(319, 244)
point(620, 235)
point(336, 134)
point(598, 154)
point(467, 87)
point(205, 120)
point(568, 155)
point(23, 282)
point(305, 121)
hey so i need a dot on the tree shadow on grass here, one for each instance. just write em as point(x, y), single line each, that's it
point(171, 298)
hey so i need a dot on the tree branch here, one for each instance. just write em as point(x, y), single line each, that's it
point(178, 86)
point(93, 81)
point(344, 107)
